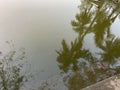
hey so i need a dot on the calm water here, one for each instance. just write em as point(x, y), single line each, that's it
point(39, 27)
point(58, 38)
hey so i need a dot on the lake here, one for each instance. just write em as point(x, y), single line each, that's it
point(59, 37)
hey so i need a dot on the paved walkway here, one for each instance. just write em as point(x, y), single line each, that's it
point(112, 83)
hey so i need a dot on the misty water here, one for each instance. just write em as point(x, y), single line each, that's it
point(70, 40)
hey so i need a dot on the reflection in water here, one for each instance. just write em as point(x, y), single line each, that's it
point(81, 66)
point(11, 68)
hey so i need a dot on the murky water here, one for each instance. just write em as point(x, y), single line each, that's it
point(83, 43)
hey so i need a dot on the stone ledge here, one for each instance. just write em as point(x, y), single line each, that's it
point(112, 83)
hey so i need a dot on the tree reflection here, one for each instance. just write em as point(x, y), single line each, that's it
point(11, 66)
point(80, 64)
point(69, 55)
point(111, 50)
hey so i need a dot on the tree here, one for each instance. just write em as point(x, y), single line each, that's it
point(82, 67)
point(11, 65)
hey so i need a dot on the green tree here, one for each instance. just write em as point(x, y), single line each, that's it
point(11, 66)
point(84, 68)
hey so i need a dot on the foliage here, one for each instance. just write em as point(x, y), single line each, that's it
point(87, 68)
point(11, 64)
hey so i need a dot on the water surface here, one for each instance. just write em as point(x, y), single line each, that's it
point(60, 37)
